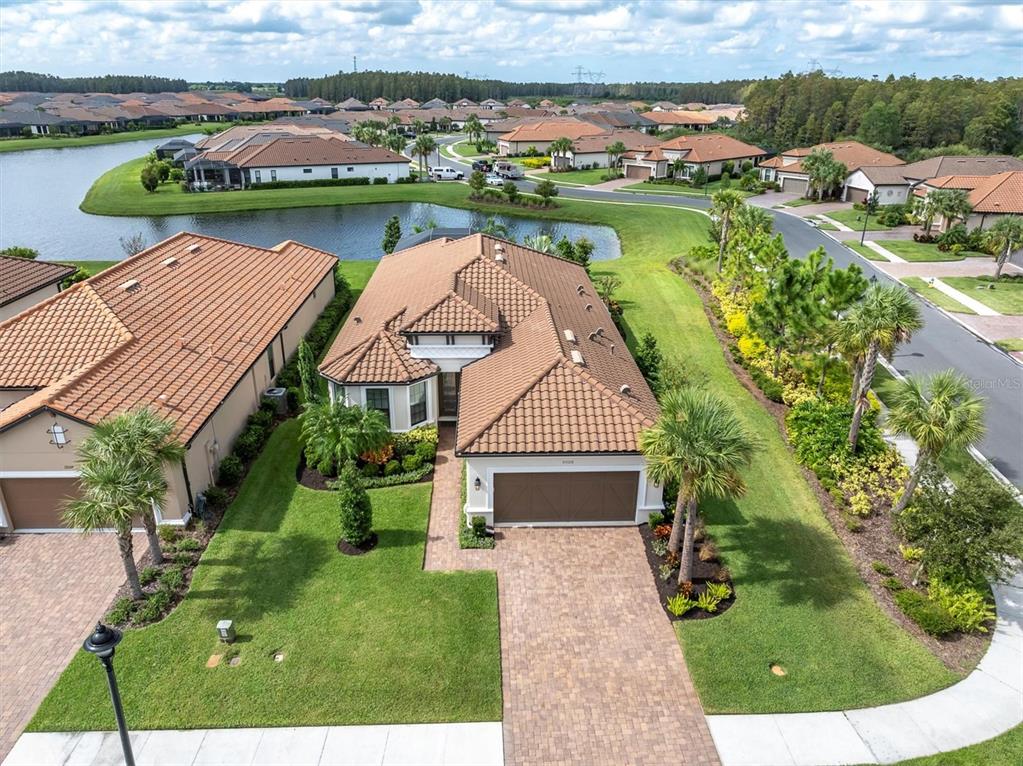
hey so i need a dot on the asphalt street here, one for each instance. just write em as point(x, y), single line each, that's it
point(941, 344)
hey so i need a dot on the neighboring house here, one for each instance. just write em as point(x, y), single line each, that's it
point(681, 119)
point(991, 197)
point(895, 184)
point(787, 168)
point(539, 135)
point(294, 158)
point(353, 105)
point(170, 148)
point(547, 104)
point(516, 349)
point(491, 103)
point(663, 106)
point(591, 151)
point(465, 103)
point(378, 103)
point(435, 103)
point(24, 283)
point(619, 119)
point(405, 103)
point(706, 150)
point(517, 102)
point(194, 327)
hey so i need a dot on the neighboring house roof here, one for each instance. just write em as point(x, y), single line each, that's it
point(240, 135)
point(617, 119)
point(664, 105)
point(680, 117)
point(886, 175)
point(551, 130)
point(21, 276)
point(428, 235)
point(952, 182)
point(632, 139)
point(352, 103)
point(852, 154)
point(288, 151)
point(435, 103)
point(936, 167)
point(711, 147)
point(528, 395)
point(465, 102)
point(999, 194)
point(173, 327)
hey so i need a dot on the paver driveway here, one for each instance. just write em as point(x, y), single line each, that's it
point(592, 672)
point(55, 586)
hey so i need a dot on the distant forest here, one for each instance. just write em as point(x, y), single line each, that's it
point(110, 83)
point(423, 86)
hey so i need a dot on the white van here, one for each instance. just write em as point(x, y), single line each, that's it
point(446, 174)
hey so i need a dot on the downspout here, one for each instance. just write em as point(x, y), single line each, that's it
point(188, 485)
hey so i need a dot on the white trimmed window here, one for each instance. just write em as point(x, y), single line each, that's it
point(379, 399)
point(417, 403)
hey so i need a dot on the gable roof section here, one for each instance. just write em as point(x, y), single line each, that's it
point(176, 335)
point(999, 194)
point(551, 130)
point(935, 167)
point(852, 154)
point(21, 276)
point(632, 139)
point(313, 150)
point(712, 147)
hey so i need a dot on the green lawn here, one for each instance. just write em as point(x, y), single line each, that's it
point(367, 639)
point(581, 177)
point(1005, 297)
point(909, 250)
point(464, 149)
point(936, 296)
point(1010, 344)
point(61, 142)
point(92, 267)
point(801, 602)
point(686, 191)
point(866, 252)
point(1002, 750)
point(854, 220)
point(800, 202)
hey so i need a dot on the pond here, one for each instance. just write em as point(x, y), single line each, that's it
point(40, 192)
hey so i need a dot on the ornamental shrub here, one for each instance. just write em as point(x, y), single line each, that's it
point(736, 323)
point(216, 497)
point(154, 607)
point(230, 471)
point(172, 578)
point(679, 604)
point(261, 418)
point(411, 463)
point(356, 512)
point(967, 606)
point(121, 612)
point(932, 618)
point(392, 467)
point(426, 452)
point(249, 442)
point(369, 470)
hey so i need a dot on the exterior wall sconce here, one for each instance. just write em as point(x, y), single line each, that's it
point(58, 435)
point(477, 484)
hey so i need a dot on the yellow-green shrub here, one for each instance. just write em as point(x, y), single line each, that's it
point(968, 606)
point(736, 323)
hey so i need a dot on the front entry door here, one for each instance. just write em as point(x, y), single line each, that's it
point(449, 394)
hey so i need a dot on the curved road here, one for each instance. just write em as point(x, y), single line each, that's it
point(942, 343)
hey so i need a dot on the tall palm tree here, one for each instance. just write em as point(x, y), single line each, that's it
point(923, 208)
point(887, 316)
point(473, 128)
point(699, 443)
point(123, 477)
point(560, 147)
point(951, 205)
point(1005, 237)
point(337, 432)
point(939, 413)
point(726, 204)
point(816, 164)
point(614, 154)
point(422, 148)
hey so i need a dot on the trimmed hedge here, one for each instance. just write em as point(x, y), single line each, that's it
point(394, 479)
point(357, 181)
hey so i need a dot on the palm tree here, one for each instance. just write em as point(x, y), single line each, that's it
point(1005, 237)
point(394, 142)
point(123, 477)
point(607, 285)
point(392, 123)
point(614, 153)
point(951, 204)
point(939, 414)
point(337, 432)
point(887, 317)
point(422, 148)
point(726, 203)
point(699, 443)
point(560, 147)
point(473, 128)
point(753, 220)
point(677, 166)
point(923, 208)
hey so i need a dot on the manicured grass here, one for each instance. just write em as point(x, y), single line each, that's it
point(685, 191)
point(826, 226)
point(1006, 297)
point(800, 602)
point(854, 220)
point(1004, 749)
point(60, 142)
point(800, 202)
point(366, 639)
point(581, 177)
point(1010, 344)
point(464, 149)
point(92, 267)
point(909, 250)
point(866, 252)
point(935, 296)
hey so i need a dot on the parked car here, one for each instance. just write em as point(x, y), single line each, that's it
point(494, 180)
point(507, 169)
point(446, 174)
point(482, 165)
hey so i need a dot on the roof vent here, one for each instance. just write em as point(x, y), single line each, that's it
point(570, 336)
point(577, 357)
point(358, 320)
point(579, 289)
point(193, 248)
point(625, 390)
point(592, 336)
point(589, 307)
point(599, 331)
point(499, 256)
point(170, 262)
point(131, 284)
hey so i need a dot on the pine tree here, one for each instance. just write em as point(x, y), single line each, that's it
point(392, 233)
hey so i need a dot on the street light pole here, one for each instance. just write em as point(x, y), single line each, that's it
point(869, 206)
point(102, 643)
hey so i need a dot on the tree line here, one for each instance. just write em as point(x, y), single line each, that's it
point(110, 83)
point(909, 116)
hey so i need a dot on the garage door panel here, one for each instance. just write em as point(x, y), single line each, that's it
point(796, 185)
point(569, 497)
point(37, 503)
point(637, 171)
point(856, 195)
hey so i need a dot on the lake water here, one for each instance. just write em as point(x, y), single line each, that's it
point(40, 192)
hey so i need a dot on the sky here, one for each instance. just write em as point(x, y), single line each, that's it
point(518, 40)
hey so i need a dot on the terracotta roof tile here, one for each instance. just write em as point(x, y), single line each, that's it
point(1001, 193)
point(852, 154)
point(21, 276)
point(711, 147)
point(551, 130)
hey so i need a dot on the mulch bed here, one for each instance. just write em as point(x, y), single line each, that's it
point(703, 572)
point(357, 550)
point(876, 538)
point(313, 479)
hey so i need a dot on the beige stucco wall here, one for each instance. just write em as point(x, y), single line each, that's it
point(26, 446)
point(27, 301)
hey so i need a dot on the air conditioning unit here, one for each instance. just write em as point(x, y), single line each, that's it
point(279, 396)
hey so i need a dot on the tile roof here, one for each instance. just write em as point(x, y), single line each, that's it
point(680, 117)
point(886, 175)
point(286, 151)
point(175, 334)
point(21, 276)
point(711, 147)
point(852, 154)
point(632, 139)
point(1001, 193)
point(551, 130)
point(935, 167)
point(528, 394)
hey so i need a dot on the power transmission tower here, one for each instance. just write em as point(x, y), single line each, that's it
point(355, 64)
point(579, 87)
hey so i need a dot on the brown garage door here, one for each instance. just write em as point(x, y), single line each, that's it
point(637, 171)
point(796, 185)
point(37, 503)
point(590, 497)
point(856, 195)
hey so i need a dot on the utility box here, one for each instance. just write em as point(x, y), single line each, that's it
point(225, 631)
point(278, 396)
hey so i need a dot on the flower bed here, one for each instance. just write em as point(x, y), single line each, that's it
point(407, 459)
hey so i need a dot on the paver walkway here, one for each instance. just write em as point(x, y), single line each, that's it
point(55, 587)
point(592, 671)
point(430, 744)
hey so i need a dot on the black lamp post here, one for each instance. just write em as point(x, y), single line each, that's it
point(102, 643)
point(870, 206)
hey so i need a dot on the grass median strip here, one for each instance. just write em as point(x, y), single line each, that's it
point(1004, 296)
point(936, 296)
point(866, 252)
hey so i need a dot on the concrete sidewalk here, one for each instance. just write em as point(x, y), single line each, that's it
point(433, 744)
